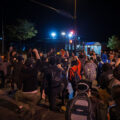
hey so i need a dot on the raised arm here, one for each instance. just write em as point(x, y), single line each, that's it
point(36, 53)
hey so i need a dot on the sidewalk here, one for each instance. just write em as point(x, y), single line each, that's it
point(9, 110)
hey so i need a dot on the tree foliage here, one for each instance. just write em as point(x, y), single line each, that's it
point(23, 30)
point(113, 42)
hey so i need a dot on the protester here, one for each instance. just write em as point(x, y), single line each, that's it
point(75, 73)
point(17, 72)
point(90, 71)
point(29, 85)
point(84, 105)
point(114, 110)
point(53, 80)
point(3, 71)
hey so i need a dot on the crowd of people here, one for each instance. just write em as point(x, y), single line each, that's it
point(35, 77)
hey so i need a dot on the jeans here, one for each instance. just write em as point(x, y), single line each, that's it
point(52, 97)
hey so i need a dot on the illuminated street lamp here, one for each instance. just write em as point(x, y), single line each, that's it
point(63, 33)
point(70, 35)
point(72, 32)
point(53, 34)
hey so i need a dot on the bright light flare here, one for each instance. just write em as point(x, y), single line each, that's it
point(53, 34)
point(70, 35)
point(72, 32)
point(70, 41)
point(63, 33)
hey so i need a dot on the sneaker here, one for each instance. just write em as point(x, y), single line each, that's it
point(41, 102)
point(56, 109)
point(63, 108)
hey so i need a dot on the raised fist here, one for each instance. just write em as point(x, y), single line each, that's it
point(35, 50)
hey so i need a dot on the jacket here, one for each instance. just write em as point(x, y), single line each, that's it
point(75, 68)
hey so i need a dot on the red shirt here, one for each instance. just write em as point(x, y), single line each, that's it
point(75, 68)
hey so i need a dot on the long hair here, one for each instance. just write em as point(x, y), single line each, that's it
point(74, 62)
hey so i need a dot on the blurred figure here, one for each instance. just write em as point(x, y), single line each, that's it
point(29, 93)
point(114, 110)
point(75, 70)
point(90, 71)
point(117, 61)
point(3, 71)
point(17, 72)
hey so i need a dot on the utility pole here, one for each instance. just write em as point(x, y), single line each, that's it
point(75, 10)
point(3, 30)
point(75, 24)
point(2, 36)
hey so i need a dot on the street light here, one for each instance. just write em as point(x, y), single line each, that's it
point(53, 34)
point(75, 25)
point(72, 32)
point(70, 35)
point(63, 33)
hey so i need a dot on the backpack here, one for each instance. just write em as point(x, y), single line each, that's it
point(76, 78)
point(79, 108)
point(113, 112)
point(57, 77)
point(90, 71)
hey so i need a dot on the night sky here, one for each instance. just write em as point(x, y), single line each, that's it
point(96, 19)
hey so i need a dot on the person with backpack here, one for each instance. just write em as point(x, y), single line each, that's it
point(83, 106)
point(114, 110)
point(52, 82)
point(74, 73)
point(90, 71)
point(109, 77)
point(106, 75)
point(45, 66)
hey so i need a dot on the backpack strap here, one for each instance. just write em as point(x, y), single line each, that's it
point(90, 108)
point(74, 71)
point(108, 113)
